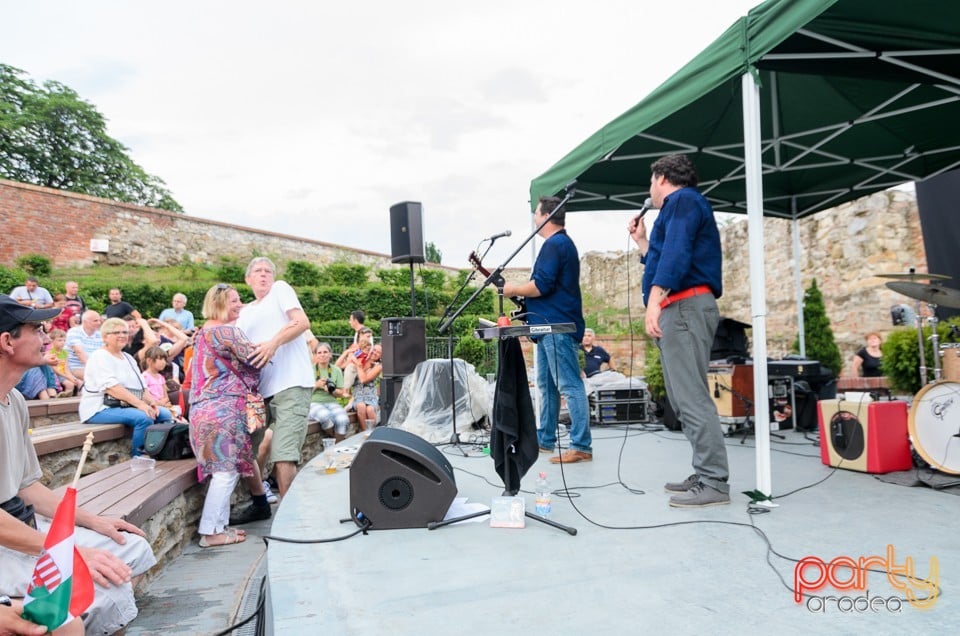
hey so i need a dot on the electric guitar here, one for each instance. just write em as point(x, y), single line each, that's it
point(516, 300)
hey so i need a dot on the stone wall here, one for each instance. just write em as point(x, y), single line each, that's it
point(844, 249)
point(140, 235)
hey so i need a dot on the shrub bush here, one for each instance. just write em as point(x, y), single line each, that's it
point(35, 264)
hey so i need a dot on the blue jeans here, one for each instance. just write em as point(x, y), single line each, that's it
point(558, 373)
point(134, 418)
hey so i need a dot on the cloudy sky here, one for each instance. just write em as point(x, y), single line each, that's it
point(313, 118)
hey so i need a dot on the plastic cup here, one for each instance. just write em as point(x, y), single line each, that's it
point(328, 456)
point(141, 464)
point(368, 426)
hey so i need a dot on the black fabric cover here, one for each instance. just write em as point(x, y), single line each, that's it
point(513, 440)
point(937, 199)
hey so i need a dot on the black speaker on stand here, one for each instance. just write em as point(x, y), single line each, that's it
point(406, 240)
point(404, 342)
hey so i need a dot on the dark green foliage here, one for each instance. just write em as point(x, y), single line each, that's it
point(301, 274)
point(10, 278)
point(36, 264)
point(432, 278)
point(343, 274)
point(50, 137)
point(653, 371)
point(394, 277)
point(477, 353)
point(230, 271)
point(431, 253)
point(819, 340)
point(901, 355)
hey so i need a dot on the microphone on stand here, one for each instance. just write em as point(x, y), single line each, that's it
point(500, 235)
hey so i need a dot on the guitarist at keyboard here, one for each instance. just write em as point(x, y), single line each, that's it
point(553, 296)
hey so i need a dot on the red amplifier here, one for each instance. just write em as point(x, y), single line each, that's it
point(868, 436)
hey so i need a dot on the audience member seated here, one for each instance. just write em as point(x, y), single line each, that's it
point(324, 407)
point(32, 295)
point(74, 300)
point(594, 356)
point(365, 397)
point(118, 307)
point(63, 320)
point(174, 342)
point(68, 382)
point(113, 390)
point(154, 362)
point(355, 355)
point(867, 361)
point(178, 312)
point(142, 336)
point(114, 550)
point(82, 341)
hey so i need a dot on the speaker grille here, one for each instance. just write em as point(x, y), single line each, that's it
point(396, 493)
point(846, 432)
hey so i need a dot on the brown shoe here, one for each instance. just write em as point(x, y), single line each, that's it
point(572, 456)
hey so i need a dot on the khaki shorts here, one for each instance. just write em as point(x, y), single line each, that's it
point(287, 417)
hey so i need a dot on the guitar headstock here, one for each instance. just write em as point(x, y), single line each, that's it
point(475, 261)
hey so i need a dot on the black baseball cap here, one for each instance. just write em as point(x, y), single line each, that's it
point(13, 314)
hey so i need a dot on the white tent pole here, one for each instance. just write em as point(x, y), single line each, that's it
point(797, 283)
point(753, 169)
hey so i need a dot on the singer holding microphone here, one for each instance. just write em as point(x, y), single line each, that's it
point(682, 280)
point(553, 296)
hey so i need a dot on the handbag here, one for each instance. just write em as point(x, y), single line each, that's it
point(18, 509)
point(115, 403)
point(168, 441)
point(254, 404)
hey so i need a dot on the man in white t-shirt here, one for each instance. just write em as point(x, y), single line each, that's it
point(275, 321)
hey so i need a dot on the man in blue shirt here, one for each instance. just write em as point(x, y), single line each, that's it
point(553, 296)
point(179, 312)
point(594, 356)
point(682, 279)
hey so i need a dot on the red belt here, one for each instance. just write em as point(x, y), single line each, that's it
point(686, 293)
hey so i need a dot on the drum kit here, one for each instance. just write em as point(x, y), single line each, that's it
point(934, 420)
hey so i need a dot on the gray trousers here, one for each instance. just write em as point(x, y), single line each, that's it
point(689, 327)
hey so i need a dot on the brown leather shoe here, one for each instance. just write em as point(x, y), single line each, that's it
point(572, 456)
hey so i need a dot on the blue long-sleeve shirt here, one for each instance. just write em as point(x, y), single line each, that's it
point(557, 277)
point(685, 246)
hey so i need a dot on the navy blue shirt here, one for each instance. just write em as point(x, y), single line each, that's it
point(557, 277)
point(594, 359)
point(684, 246)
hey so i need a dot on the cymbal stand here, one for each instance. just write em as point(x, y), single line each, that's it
point(935, 341)
point(920, 344)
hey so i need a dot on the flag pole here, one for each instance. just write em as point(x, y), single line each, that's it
point(87, 445)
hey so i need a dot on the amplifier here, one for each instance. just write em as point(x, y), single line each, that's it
point(620, 406)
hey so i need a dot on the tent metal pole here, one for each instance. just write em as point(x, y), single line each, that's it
point(753, 168)
point(797, 282)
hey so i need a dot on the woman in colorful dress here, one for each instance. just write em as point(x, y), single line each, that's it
point(221, 379)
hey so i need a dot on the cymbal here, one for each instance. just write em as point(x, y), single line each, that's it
point(933, 294)
point(913, 276)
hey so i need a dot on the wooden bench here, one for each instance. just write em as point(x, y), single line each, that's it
point(118, 491)
point(58, 437)
point(55, 411)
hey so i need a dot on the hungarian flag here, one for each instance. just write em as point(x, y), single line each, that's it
point(61, 587)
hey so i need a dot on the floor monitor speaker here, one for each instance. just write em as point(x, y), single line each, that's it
point(406, 232)
point(868, 436)
point(399, 480)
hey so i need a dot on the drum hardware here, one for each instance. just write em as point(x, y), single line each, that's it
point(932, 295)
point(913, 276)
point(934, 426)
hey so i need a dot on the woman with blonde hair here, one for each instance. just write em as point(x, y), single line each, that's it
point(113, 390)
point(221, 379)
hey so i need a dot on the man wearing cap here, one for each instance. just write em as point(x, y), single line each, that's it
point(114, 550)
point(682, 279)
point(32, 295)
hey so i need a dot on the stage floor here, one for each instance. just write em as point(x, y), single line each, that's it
point(635, 561)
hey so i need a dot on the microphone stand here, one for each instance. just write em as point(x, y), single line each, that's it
point(748, 425)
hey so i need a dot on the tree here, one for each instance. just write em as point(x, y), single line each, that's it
point(432, 254)
point(50, 137)
point(819, 340)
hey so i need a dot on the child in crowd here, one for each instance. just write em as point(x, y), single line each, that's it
point(69, 383)
point(154, 362)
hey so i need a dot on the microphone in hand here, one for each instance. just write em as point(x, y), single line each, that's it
point(647, 206)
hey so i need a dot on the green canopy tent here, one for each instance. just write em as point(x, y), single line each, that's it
point(799, 106)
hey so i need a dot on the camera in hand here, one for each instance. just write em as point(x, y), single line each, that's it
point(331, 386)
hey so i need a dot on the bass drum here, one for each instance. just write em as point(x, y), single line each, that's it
point(934, 423)
point(950, 361)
